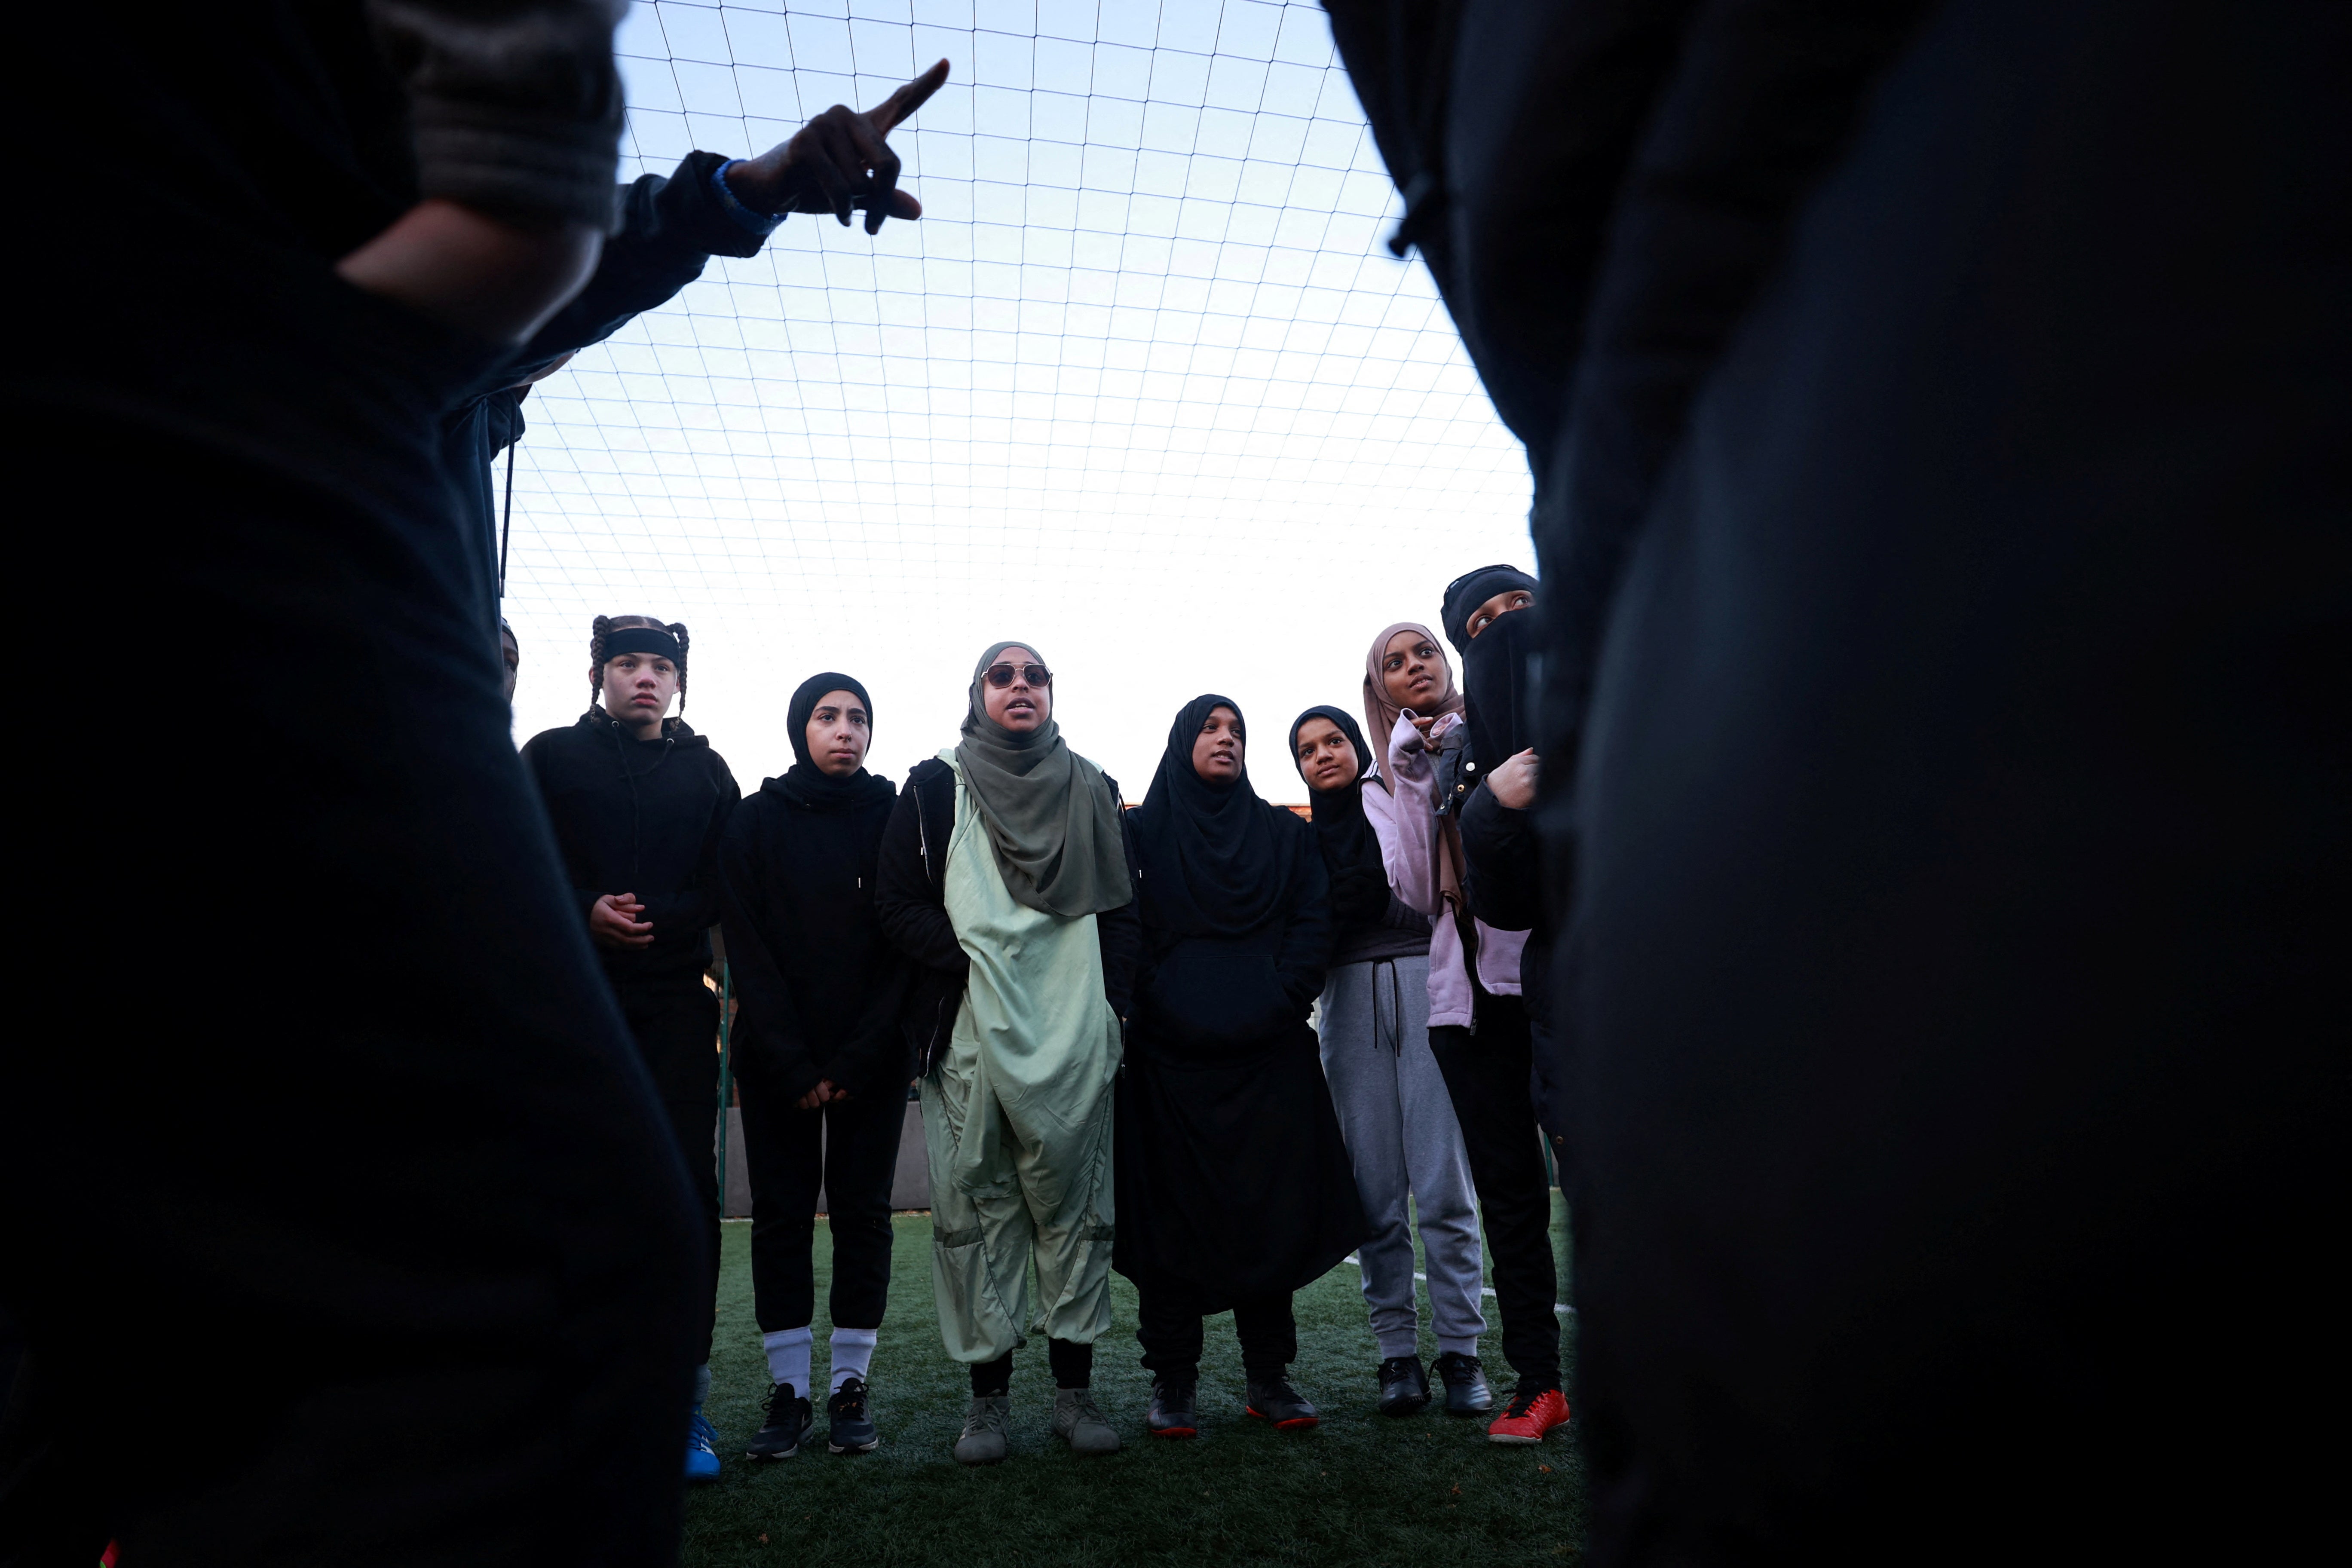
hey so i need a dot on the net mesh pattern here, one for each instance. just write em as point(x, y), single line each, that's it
point(1143, 374)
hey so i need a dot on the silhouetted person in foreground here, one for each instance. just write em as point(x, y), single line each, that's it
point(1938, 419)
point(342, 1227)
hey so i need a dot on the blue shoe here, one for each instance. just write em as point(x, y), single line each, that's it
point(701, 1450)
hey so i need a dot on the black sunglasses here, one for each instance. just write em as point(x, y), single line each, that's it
point(1001, 676)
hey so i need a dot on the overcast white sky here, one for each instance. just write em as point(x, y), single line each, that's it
point(1143, 385)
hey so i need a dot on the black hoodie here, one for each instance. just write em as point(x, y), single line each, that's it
point(821, 985)
point(642, 817)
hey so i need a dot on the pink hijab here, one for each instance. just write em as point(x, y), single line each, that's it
point(1380, 715)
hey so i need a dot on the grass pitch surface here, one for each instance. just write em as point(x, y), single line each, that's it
point(1362, 1490)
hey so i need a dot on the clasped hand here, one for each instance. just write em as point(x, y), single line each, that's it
point(824, 1093)
point(613, 922)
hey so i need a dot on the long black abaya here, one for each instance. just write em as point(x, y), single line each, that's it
point(1232, 1181)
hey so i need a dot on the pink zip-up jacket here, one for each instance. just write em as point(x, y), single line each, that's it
point(1412, 868)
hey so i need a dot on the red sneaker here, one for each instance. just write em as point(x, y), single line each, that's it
point(1528, 1415)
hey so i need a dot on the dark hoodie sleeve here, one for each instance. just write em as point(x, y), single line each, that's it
point(1502, 862)
point(1120, 930)
point(669, 228)
point(537, 754)
point(1306, 951)
point(768, 1036)
point(685, 915)
point(913, 913)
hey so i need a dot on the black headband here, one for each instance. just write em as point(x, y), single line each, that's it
point(643, 639)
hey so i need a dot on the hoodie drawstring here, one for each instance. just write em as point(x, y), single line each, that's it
point(621, 755)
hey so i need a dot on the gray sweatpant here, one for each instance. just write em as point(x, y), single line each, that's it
point(1403, 1141)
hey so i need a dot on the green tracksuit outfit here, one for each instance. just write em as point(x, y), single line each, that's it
point(1017, 1116)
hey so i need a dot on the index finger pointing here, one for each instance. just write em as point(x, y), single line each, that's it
point(887, 114)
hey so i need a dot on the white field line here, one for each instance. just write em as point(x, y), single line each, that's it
point(1483, 1289)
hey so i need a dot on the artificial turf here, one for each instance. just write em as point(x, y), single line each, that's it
point(1362, 1489)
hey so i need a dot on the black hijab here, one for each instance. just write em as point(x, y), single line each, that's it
point(806, 783)
point(1351, 850)
point(1215, 859)
point(1498, 683)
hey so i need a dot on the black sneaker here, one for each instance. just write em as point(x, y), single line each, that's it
point(1466, 1393)
point(789, 1419)
point(1405, 1386)
point(851, 1431)
point(1171, 1412)
point(1279, 1402)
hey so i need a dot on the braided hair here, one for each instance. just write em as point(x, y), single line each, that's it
point(602, 629)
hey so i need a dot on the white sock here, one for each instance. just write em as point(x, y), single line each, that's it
point(852, 1354)
point(788, 1357)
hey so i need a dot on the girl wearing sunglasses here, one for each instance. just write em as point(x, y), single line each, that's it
point(1007, 877)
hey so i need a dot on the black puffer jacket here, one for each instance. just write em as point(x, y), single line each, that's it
point(642, 817)
point(913, 907)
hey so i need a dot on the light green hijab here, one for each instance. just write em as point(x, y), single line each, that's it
point(1049, 813)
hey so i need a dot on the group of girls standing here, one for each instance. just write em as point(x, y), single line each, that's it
point(1110, 1016)
point(1429, 1048)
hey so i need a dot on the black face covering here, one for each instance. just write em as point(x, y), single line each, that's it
point(1498, 682)
point(1351, 850)
point(809, 785)
point(1213, 863)
point(1469, 591)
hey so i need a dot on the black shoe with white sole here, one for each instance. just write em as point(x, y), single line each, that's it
point(852, 1431)
point(789, 1420)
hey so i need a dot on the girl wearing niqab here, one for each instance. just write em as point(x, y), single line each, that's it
point(1233, 1184)
point(1402, 1140)
point(1006, 875)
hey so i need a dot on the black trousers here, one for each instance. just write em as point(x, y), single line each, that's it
point(849, 1150)
point(1487, 1076)
point(1168, 1324)
point(675, 1022)
point(389, 1156)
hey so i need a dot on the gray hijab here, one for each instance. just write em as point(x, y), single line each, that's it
point(1049, 812)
